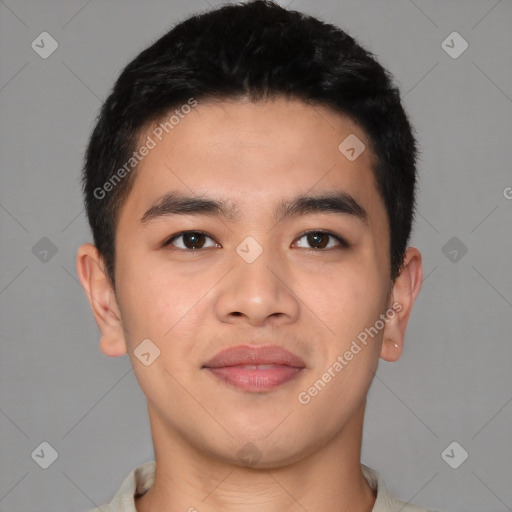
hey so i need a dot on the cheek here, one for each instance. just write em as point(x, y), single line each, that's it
point(148, 297)
point(163, 304)
point(158, 306)
point(353, 299)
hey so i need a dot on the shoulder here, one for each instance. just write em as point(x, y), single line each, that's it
point(403, 506)
point(138, 482)
point(384, 502)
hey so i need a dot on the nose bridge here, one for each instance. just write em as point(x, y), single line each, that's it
point(256, 288)
point(254, 261)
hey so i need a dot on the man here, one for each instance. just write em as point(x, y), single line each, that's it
point(250, 188)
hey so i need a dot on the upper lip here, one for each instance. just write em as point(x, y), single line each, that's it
point(251, 355)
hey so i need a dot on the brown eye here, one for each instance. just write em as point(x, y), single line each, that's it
point(191, 240)
point(321, 239)
point(318, 240)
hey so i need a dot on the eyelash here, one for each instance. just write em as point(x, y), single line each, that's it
point(343, 243)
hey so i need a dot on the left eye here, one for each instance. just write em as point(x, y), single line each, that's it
point(191, 240)
point(318, 239)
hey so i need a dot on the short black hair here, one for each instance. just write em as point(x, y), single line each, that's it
point(257, 51)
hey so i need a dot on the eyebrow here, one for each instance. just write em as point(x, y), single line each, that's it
point(177, 203)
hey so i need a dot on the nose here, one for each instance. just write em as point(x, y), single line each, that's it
point(258, 292)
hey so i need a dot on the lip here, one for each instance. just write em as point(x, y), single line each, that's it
point(255, 369)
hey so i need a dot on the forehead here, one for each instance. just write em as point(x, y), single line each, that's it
point(254, 154)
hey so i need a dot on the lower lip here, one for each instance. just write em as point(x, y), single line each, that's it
point(256, 380)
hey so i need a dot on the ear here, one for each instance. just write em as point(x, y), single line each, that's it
point(99, 291)
point(403, 294)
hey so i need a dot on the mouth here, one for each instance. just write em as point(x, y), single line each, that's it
point(255, 369)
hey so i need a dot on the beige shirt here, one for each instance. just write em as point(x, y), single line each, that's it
point(142, 477)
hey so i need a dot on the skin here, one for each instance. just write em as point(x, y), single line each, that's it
point(310, 300)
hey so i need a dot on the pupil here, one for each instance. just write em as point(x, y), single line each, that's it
point(315, 239)
point(192, 240)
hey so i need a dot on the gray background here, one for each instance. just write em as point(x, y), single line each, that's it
point(454, 381)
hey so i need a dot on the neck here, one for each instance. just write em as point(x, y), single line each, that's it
point(328, 479)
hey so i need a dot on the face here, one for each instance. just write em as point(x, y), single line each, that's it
point(255, 267)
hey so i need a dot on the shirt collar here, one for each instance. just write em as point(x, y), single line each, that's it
point(140, 480)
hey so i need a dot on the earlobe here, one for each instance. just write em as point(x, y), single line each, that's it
point(404, 292)
point(97, 286)
point(390, 350)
